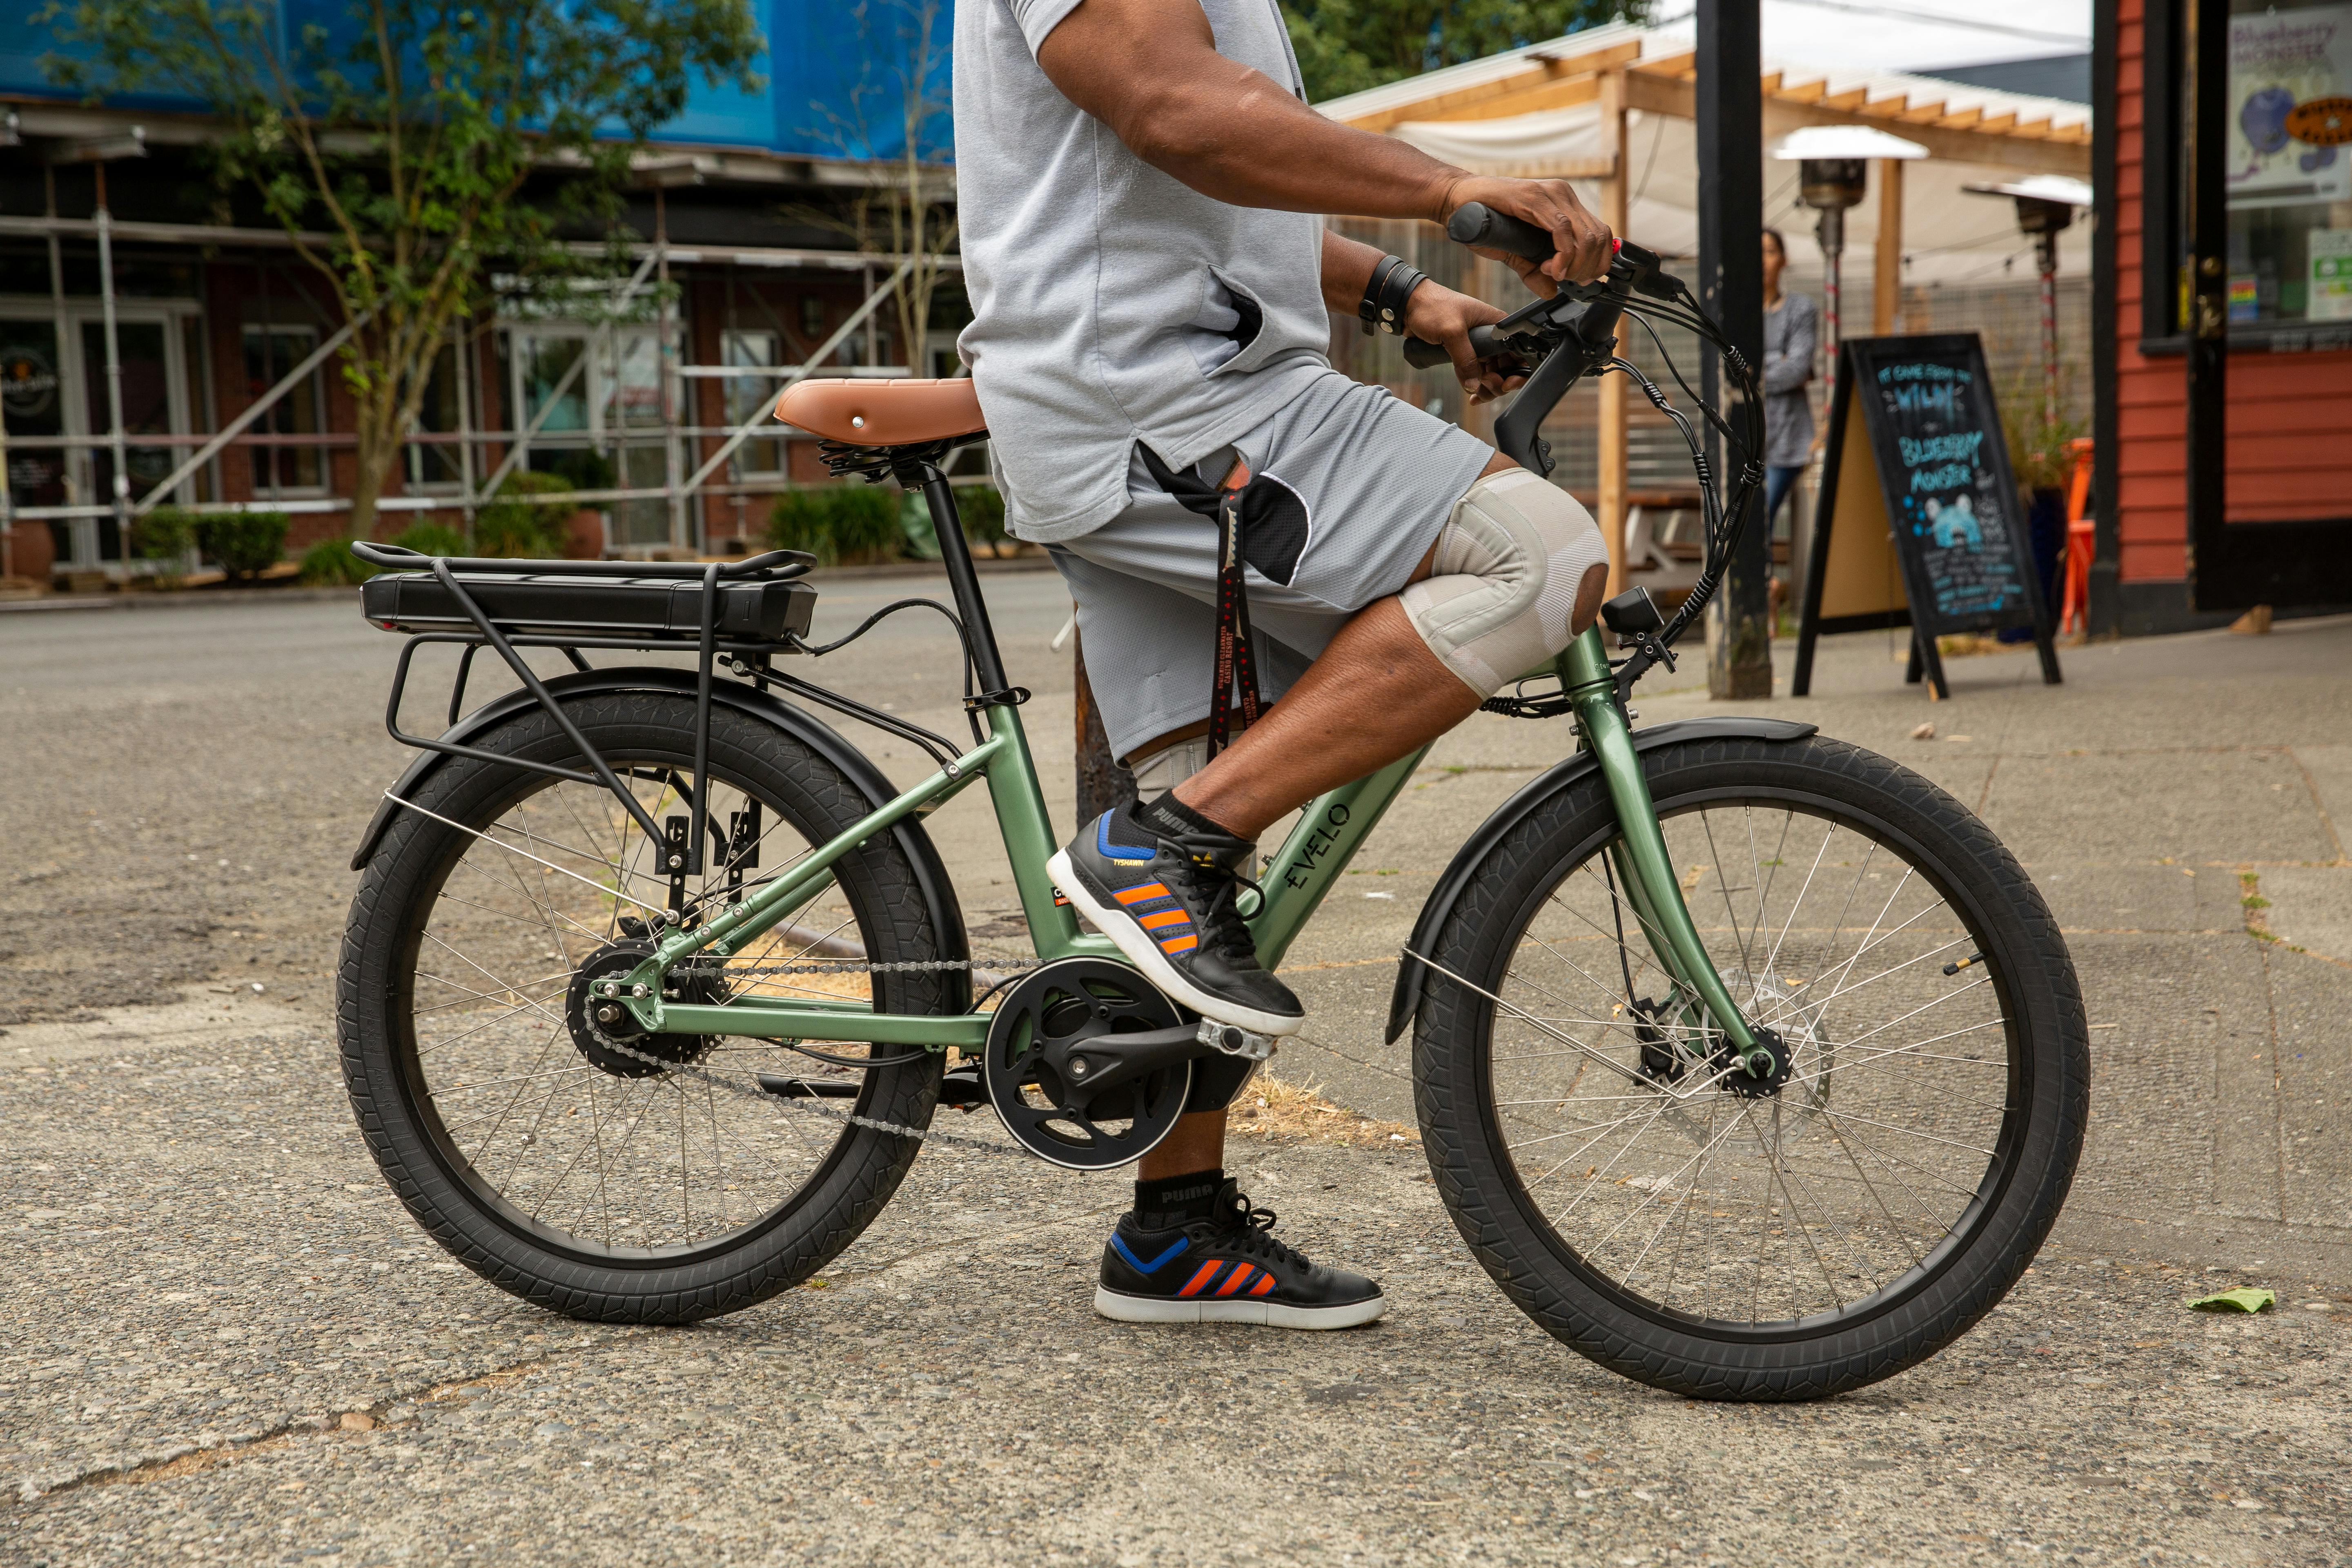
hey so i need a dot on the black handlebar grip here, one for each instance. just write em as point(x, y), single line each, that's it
point(1475, 223)
point(1423, 354)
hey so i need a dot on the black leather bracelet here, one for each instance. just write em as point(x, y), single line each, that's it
point(1392, 282)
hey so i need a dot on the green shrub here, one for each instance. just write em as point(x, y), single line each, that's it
point(519, 529)
point(584, 469)
point(165, 534)
point(837, 523)
point(330, 564)
point(243, 543)
point(983, 515)
point(431, 539)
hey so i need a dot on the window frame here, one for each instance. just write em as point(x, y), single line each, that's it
point(2164, 210)
point(317, 383)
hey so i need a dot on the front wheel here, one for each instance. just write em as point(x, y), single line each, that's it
point(1659, 1210)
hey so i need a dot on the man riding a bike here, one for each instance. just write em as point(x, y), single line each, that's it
point(1141, 184)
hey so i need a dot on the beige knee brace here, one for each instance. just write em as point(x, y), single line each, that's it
point(1496, 605)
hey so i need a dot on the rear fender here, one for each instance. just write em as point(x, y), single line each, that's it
point(939, 893)
point(1560, 777)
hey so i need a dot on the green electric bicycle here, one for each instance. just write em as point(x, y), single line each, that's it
point(1748, 1064)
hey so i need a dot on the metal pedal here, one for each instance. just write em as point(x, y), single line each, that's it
point(1232, 1040)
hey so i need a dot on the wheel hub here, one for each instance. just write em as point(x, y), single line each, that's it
point(604, 1031)
point(1749, 1085)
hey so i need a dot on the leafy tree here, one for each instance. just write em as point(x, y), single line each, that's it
point(405, 138)
point(1347, 45)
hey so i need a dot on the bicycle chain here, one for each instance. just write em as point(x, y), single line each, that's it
point(848, 1117)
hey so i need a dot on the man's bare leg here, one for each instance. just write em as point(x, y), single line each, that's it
point(1376, 693)
point(1197, 1143)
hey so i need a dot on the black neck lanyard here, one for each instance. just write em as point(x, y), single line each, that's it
point(1237, 660)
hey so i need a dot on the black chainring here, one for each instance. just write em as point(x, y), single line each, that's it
point(595, 1035)
point(1070, 1000)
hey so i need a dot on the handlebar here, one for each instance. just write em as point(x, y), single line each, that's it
point(1632, 271)
point(1557, 342)
point(1485, 343)
point(1475, 223)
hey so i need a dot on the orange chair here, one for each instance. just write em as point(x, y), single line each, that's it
point(2081, 543)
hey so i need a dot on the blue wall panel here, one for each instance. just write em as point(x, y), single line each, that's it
point(834, 70)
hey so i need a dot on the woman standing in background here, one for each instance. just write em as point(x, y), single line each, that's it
point(1791, 334)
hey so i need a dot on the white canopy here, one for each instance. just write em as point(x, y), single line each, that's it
point(1948, 235)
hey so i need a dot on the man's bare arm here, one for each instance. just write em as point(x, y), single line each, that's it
point(1150, 69)
point(1434, 314)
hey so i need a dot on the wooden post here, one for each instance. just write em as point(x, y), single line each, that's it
point(1886, 285)
point(1615, 463)
point(1103, 785)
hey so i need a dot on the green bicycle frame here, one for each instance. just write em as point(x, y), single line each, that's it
point(1330, 830)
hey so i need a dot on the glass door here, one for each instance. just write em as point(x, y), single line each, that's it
point(32, 398)
point(154, 403)
point(632, 410)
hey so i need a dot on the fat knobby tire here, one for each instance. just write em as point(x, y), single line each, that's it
point(839, 1199)
point(1981, 880)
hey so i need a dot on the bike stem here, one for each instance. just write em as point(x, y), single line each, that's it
point(1650, 887)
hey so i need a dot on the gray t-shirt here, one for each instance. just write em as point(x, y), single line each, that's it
point(1111, 303)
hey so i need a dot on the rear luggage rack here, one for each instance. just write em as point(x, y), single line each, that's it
point(751, 608)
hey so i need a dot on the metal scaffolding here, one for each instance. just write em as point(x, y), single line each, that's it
point(473, 445)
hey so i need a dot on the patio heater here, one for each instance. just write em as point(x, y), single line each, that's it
point(2045, 209)
point(1834, 171)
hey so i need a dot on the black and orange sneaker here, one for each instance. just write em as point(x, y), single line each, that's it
point(1226, 1268)
point(1159, 880)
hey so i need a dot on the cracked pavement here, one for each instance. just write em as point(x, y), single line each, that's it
point(228, 1344)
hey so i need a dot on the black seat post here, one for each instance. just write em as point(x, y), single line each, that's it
point(964, 578)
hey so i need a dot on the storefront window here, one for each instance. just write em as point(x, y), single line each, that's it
point(270, 353)
point(438, 463)
point(748, 398)
point(2288, 168)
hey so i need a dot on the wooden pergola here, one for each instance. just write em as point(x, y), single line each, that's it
point(1622, 74)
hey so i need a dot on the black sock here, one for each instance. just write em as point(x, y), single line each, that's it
point(1172, 816)
point(1173, 1201)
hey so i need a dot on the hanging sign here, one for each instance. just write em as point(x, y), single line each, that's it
point(1938, 542)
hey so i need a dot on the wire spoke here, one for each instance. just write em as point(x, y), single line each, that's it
point(1837, 1216)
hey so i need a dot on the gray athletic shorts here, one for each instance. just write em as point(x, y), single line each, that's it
point(1377, 477)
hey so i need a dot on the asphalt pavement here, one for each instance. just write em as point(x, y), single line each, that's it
point(228, 1344)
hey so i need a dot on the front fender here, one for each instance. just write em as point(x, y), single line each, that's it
point(1406, 1001)
point(939, 892)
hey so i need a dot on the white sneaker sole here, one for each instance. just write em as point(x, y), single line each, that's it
point(1143, 953)
point(1126, 1308)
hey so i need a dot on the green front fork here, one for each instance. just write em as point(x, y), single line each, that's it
point(1651, 890)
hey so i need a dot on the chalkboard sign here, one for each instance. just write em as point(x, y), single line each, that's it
point(1939, 543)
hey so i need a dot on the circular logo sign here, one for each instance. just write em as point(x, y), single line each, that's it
point(28, 383)
point(2321, 122)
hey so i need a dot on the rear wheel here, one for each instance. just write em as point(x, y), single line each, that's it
point(1631, 1191)
point(587, 1178)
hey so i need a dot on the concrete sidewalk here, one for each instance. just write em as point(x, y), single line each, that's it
point(230, 1344)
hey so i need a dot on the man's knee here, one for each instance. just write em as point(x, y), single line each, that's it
point(1519, 571)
